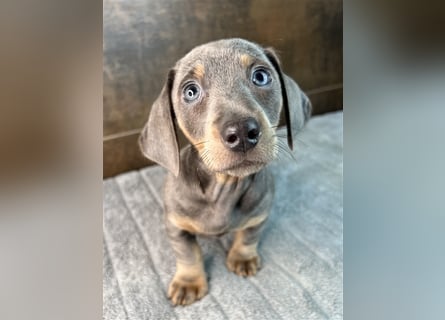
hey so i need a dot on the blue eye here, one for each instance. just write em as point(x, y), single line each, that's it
point(261, 77)
point(191, 92)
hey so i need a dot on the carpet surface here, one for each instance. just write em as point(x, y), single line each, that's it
point(301, 246)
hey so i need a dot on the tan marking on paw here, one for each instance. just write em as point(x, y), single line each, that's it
point(244, 267)
point(186, 290)
point(189, 283)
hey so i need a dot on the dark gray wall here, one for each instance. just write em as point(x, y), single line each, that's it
point(143, 39)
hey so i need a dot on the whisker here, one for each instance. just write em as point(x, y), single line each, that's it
point(302, 142)
point(193, 148)
point(199, 143)
point(285, 150)
point(205, 156)
point(282, 153)
point(284, 136)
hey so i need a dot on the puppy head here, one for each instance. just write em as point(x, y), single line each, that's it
point(226, 97)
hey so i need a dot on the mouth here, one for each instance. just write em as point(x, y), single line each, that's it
point(219, 160)
point(243, 165)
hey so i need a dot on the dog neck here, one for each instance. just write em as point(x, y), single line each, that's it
point(214, 185)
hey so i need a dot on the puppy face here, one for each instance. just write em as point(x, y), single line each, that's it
point(227, 99)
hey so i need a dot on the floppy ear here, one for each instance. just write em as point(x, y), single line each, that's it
point(158, 140)
point(297, 107)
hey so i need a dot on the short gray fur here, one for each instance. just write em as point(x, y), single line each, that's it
point(301, 246)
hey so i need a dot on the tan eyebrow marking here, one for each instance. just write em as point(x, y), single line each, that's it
point(199, 71)
point(246, 60)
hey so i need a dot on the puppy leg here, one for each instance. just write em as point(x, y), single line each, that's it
point(243, 258)
point(189, 283)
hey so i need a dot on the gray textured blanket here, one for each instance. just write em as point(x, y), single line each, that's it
point(301, 248)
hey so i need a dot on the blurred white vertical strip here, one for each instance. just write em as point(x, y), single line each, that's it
point(50, 160)
point(394, 160)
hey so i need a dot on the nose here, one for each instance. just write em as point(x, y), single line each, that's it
point(242, 135)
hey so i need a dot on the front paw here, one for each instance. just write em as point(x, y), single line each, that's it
point(243, 266)
point(184, 291)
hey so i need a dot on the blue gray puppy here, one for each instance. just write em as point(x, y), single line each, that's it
point(226, 97)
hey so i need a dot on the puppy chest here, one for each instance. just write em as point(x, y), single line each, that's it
point(208, 217)
point(217, 220)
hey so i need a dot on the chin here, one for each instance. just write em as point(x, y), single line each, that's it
point(244, 171)
point(238, 165)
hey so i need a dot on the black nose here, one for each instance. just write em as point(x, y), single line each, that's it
point(242, 135)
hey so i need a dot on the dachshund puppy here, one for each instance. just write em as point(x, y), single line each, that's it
point(226, 97)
